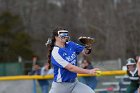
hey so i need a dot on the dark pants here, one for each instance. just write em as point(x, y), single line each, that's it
point(132, 87)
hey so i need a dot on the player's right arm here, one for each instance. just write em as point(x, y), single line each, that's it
point(79, 70)
point(62, 63)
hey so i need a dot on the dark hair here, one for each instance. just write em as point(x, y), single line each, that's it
point(51, 45)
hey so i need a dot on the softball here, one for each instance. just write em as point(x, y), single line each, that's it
point(98, 73)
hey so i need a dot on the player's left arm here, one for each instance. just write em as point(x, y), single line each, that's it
point(81, 49)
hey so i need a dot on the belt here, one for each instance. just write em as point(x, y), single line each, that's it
point(68, 81)
point(71, 81)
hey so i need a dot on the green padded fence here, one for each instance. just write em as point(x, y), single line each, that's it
point(10, 69)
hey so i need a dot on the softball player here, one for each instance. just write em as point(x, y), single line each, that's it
point(132, 72)
point(63, 56)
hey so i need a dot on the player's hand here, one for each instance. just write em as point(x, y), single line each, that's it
point(94, 71)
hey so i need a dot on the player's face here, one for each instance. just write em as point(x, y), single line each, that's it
point(64, 37)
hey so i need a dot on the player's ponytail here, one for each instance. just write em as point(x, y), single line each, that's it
point(51, 43)
point(50, 48)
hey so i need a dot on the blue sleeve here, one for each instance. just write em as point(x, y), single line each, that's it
point(58, 58)
point(56, 63)
point(78, 48)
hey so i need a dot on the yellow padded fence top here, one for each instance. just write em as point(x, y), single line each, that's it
point(27, 77)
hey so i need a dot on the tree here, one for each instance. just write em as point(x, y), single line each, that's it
point(14, 41)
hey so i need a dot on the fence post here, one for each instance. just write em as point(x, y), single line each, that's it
point(34, 86)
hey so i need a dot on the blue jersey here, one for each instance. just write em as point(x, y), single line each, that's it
point(61, 57)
